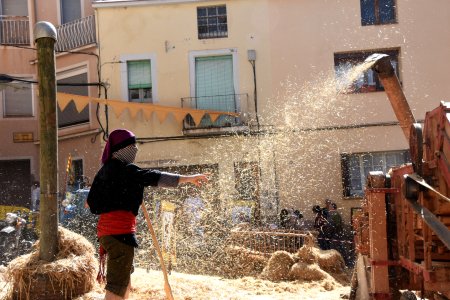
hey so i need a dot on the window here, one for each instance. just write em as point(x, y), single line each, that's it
point(70, 115)
point(356, 167)
point(75, 178)
point(18, 100)
point(368, 81)
point(14, 23)
point(70, 10)
point(212, 22)
point(15, 179)
point(139, 81)
point(377, 12)
point(246, 176)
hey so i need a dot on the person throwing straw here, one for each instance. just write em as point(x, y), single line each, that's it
point(116, 195)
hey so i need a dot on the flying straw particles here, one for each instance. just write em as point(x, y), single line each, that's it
point(72, 273)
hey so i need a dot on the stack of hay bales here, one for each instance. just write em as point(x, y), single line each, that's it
point(235, 261)
point(309, 263)
point(71, 274)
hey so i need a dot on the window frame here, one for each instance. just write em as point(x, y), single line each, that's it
point(124, 74)
point(357, 57)
point(216, 24)
point(3, 97)
point(349, 190)
point(376, 14)
point(141, 90)
point(68, 73)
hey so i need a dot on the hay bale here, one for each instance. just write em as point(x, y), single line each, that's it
point(328, 260)
point(309, 272)
point(308, 254)
point(331, 261)
point(238, 262)
point(278, 266)
point(71, 274)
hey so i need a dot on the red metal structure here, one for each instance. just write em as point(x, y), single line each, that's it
point(403, 234)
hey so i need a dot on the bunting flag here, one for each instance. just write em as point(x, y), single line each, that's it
point(134, 108)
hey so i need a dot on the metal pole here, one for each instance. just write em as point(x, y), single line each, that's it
point(45, 39)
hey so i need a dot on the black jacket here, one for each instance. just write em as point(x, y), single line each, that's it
point(120, 186)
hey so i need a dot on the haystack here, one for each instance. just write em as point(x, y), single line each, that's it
point(238, 262)
point(278, 266)
point(331, 261)
point(328, 260)
point(71, 274)
point(309, 272)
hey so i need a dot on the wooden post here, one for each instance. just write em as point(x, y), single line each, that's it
point(378, 236)
point(45, 38)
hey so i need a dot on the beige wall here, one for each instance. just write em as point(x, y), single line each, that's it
point(295, 42)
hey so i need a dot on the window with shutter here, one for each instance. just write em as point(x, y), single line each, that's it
point(70, 115)
point(139, 81)
point(18, 100)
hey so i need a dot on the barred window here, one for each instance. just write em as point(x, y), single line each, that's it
point(356, 166)
point(212, 22)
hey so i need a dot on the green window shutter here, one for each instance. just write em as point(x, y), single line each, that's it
point(214, 83)
point(139, 74)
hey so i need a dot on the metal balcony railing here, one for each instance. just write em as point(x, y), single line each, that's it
point(76, 34)
point(14, 30)
point(228, 103)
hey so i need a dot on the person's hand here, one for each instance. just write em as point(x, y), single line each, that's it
point(197, 179)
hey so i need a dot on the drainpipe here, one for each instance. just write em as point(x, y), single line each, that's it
point(251, 55)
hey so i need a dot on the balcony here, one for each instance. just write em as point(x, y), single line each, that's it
point(14, 30)
point(76, 34)
point(224, 124)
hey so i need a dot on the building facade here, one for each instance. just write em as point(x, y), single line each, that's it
point(304, 132)
point(287, 62)
point(76, 69)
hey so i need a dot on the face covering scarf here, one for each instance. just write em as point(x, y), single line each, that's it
point(127, 154)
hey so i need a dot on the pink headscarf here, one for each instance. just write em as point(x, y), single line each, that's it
point(118, 139)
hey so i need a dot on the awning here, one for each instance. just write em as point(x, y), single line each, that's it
point(147, 109)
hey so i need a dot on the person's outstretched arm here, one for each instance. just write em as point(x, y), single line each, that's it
point(196, 179)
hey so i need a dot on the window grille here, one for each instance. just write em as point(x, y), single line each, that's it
point(212, 22)
point(356, 166)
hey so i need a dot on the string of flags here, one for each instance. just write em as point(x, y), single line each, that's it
point(147, 109)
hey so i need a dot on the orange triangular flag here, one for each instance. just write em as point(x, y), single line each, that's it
point(81, 102)
point(118, 107)
point(197, 116)
point(179, 115)
point(214, 116)
point(63, 100)
point(162, 115)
